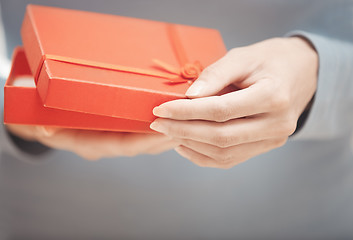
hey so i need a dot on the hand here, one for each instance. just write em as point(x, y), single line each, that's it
point(276, 79)
point(93, 145)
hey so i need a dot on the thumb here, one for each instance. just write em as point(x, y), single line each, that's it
point(218, 75)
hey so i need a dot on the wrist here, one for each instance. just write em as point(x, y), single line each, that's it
point(24, 132)
point(28, 146)
point(306, 48)
point(24, 138)
point(310, 56)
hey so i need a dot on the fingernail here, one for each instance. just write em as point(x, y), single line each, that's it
point(161, 112)
point(195, 89)
point(157, 127)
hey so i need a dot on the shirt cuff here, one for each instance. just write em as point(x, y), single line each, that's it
point(327, 118)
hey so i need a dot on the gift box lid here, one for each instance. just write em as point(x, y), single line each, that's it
point(112, 65)
point(22, 105)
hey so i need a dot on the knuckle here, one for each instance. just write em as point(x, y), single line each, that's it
point(223, 155)
point(287, 127)
point(279, 101)
point(222, 159)
point(280, 142)
point(222, 138)
point(218, 153)
point(229, 159)
point(291, 128)
point(179, 131)
point(221, 112)
point(176, 129)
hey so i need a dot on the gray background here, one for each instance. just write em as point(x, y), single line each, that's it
point(300, 191)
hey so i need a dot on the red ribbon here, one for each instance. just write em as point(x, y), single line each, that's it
point(187, 71)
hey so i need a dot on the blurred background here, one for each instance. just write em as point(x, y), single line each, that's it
point(165, 196)
point(240, 22)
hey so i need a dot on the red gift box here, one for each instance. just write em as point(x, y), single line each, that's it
point(22, 105)
point(112, 66)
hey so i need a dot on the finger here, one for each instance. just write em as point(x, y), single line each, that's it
point(73, 141)
point(226, 134)
point(250, 101)
point(136, 143)
point(230, 68)
point(98, 144)
point(200, 159)
point(63, 139)
point(27, 132)
point(166, 146)
point(234, 154)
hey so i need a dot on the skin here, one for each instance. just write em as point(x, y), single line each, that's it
point(94, 145)
point(276, 78)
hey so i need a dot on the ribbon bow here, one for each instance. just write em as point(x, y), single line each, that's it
point(189, 71)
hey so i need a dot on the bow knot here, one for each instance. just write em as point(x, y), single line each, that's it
point(189, 71)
